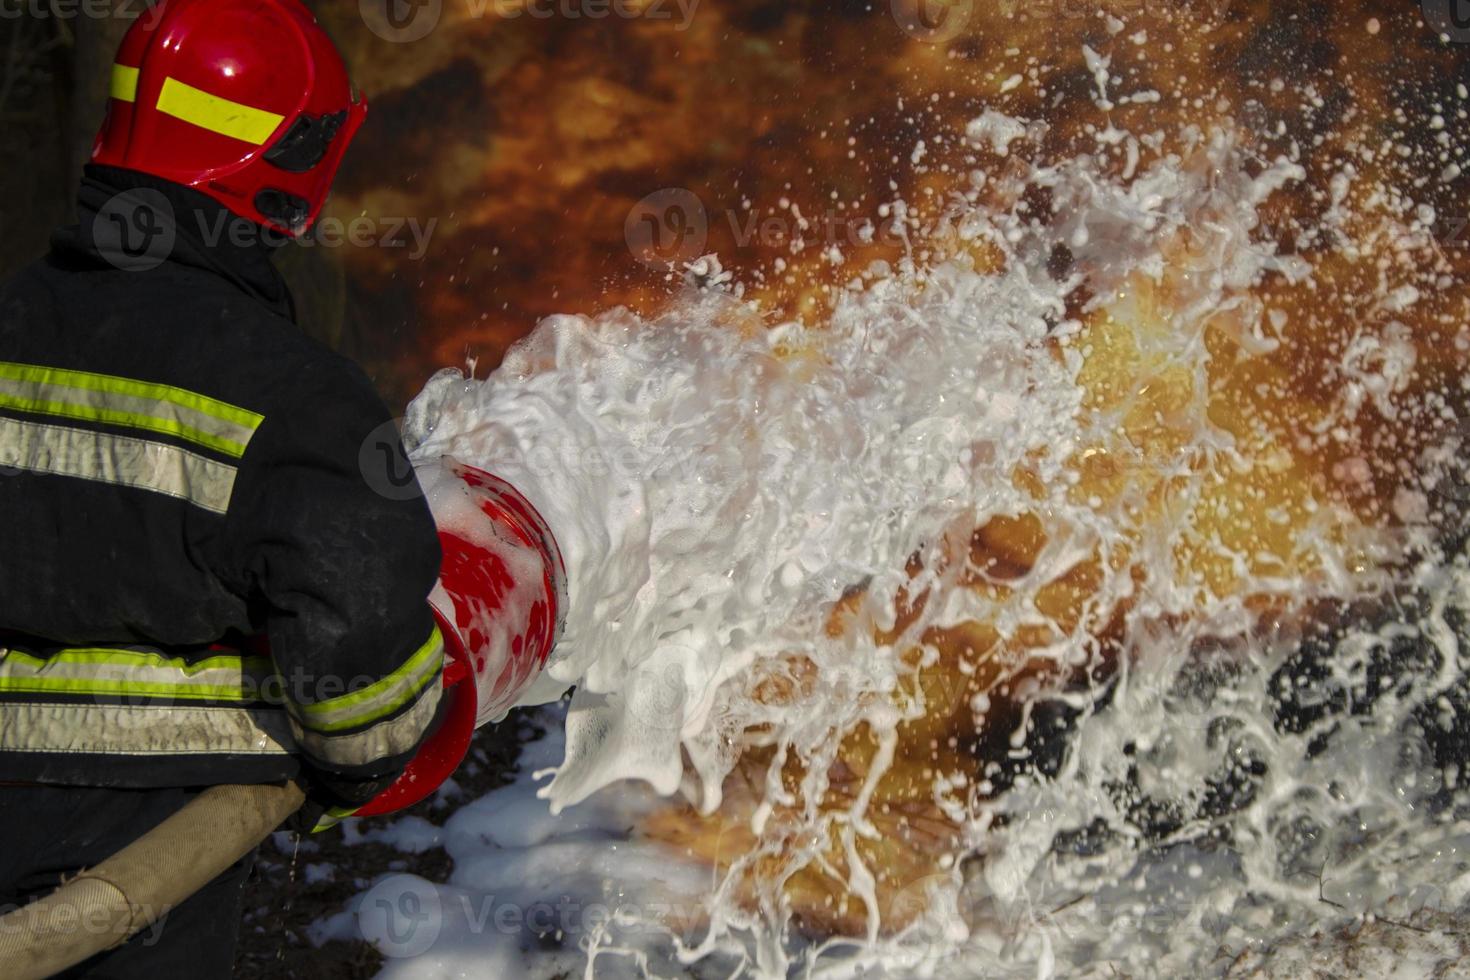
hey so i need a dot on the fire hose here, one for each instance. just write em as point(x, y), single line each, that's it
point(499, 629)
point(103, 906)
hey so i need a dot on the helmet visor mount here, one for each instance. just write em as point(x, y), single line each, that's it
point(305, 143)
point(299, 150)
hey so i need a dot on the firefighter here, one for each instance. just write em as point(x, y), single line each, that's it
point(202, 581)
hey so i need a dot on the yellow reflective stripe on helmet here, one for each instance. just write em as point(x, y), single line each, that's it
point(216, 114)
point(124, 83)
point(119, 460)
point(143, 673)
point(381, 698)
point(123, 401)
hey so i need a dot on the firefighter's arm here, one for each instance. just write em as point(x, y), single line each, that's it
point(342, 563)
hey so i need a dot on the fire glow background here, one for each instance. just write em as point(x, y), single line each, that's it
point(563, 162)
point(571, 159)
point(523, 133)
point(565, 156)
point(530, 139)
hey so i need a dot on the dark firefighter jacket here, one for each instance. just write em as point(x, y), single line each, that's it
point(181, 469)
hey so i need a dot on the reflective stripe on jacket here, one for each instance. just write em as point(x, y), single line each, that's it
point(149, 702)
point(181, 468)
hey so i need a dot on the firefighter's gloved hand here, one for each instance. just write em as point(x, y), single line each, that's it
point(330, 798)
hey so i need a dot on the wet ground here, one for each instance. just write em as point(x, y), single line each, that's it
point(300, 879)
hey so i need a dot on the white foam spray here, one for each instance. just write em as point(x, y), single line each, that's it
point(717, 485)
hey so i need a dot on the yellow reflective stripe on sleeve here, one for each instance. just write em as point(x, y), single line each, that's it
point(119, 460)
point(218, 115)
point(142, 673)
point(381, 698)
point(144, 729)
point(332, 817)
point(176, 726)
point(133, 659)
point(124, 83)
point(158, 408)
point(94, 686)
point(382, 741)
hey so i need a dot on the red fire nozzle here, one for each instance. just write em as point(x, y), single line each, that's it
point(500, 603)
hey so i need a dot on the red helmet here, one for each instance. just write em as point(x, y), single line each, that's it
point(245, 100)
